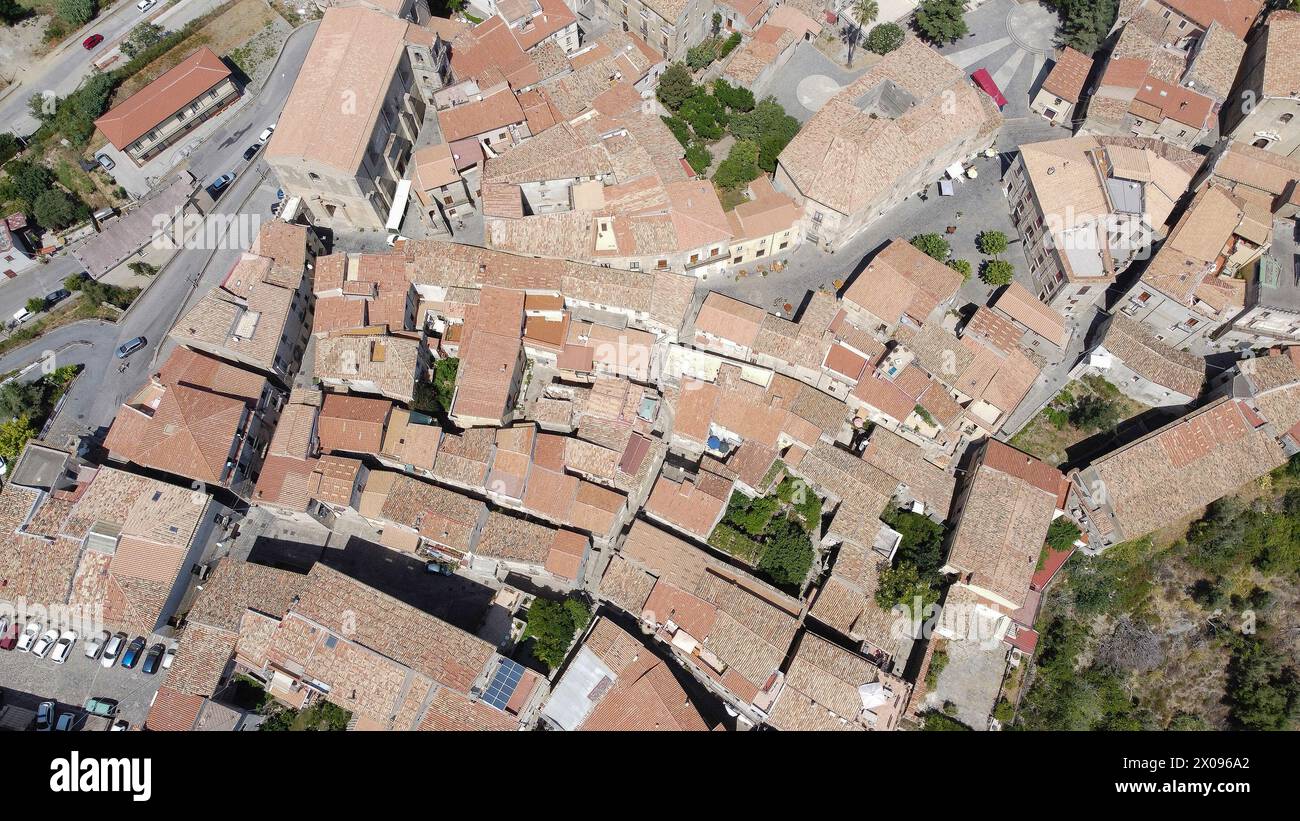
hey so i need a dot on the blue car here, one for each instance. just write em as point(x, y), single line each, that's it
point(132, 655)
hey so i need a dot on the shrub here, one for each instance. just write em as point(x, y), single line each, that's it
point(961, 266)
point(1092, 412)
point(699, 158)
point(35, 305)
point(933, 246)
point(76, 12)
point(698, 57)
point(141, 38)
point(54, 209)
point(1061, 533)
point(997, 272)
point(885, 37)
point(675, 86)
point(553, 625)
point(730, 44)
point(680, 128)
point(735, 98)
point(739, 168)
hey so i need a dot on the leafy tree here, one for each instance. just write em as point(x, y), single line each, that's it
point(41, 107)
point(992, 243)
point(933, 246)
point(750, 515)
point(730, 45)
point(903, 585)
point(788, 554)
point(76, 114)
point(699, 158)
point(1085, 23)
point(961, 266)
point(940, 21)
point(9, 145)
point(141, 38)
point(553, 625)
point(444, 383)
point(1061, 533)
point(698, 57)
point(885, 38)
point(922, 544)
point(54, 209)
point(11, 12)
point(14, 436)
point(769, 127)
point(1262, 690)
point(680, 128)
point(715, 25)
point(739, 168)
point(30, 399)
point(997, 272)
point(75, 12)
point(705, 113)
point(1092, 412)
point(73, 282)
point(675, 86)
point(27, 181)
point(734, 98)
point(35, 305)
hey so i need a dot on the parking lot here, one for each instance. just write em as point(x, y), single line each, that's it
point(78, 679)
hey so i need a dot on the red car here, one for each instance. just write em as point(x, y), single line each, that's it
point(92, 41)
point(9, 637)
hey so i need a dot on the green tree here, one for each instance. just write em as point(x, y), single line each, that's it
point(9, 145)
point(27, 181)
point(680, 128)
point(940, 21)
point(553, 625)
point(36, 304)
point(903, 585)
point(933, 246)
point(675, 86)
point(992, 243)
point(76, 114)
point(12, 12)
point(1092, 412)
point(42, 107)
point(141, 38)
point(30, 399)
point(54, 209)
point(788, 554)
point(76, 12)
point(699, 158)
point(865, 13)
point(769, 127)
point(1085, 23)
point(750, 515)
point(699, 56)
point(730, 44)
point(734, 98)
point(961, 266)
point(739, 168)
point(1061, 533)
point(997, 272)
point(14, 436)
point(922, 543)
point(715, 25)
point(1262, 690)
point(444, 382)
point(885, 38)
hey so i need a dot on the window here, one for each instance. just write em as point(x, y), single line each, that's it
point(782, 246)
point(817, 217)
point(661, 264)
point(313, 175)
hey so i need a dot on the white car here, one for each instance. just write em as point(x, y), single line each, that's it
point(112, 650)
point(266, 133)
point(30, 632)
point(22, 315)
point(45, 716)
point(145, 5)
point(44, 643)
point(169, 657)
point(95, 644)
point(63, 647)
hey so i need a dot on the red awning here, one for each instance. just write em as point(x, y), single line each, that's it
point(985, 81)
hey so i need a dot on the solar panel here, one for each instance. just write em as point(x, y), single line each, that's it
point(503, 683)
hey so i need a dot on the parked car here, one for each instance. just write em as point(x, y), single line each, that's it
point(92, 41)
point(169, 657)
point(438, 567)
point(153, 659)
point(45, 715)
point(22, 315)
point(130, 346)
point(30, 632)
point(64, 722)
point(145, 5)
point(132, 655)
point(105, 162)
point(266, 133)
point(221, 183)
point(120, 726)
point(45, 642)
point(9, 638)
point(4, 625)
point(55, 297)
point(112, 650)
point(100, 706)
point(95, 644)
point(251, 151)
point(63, 647)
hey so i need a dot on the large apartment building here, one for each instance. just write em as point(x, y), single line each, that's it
point(669, 26)
point(1268, 97)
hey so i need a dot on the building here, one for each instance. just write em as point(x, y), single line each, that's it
point(1271, 78)
point(614, 683)
point(764, 225)
point(348, 129)
point(829, 688)
point(901, 285)
point(200, 419)
point(1087, 207)
point(162, 113)
point(1063, 87)
point(14, 257)
point(887, 135)
point(669, 26)
point(769, 47)
point(260, 315)
point(369, 361)
point(1143, 367)
point(491, 360)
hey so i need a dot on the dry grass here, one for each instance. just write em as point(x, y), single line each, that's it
point(1044, 439)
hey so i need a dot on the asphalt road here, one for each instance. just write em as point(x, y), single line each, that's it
point(94, 398)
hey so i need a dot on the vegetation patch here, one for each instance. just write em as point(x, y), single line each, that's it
point(1083, 408)
point(552, 625)
point(772, 533)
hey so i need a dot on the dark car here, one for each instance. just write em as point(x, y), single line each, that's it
point(130, 346)
point(251, 151)
point(132, 655)
point(92, 41)
point(220, 184)
point(10, 637)
point(153, 658)
point(55, 297)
